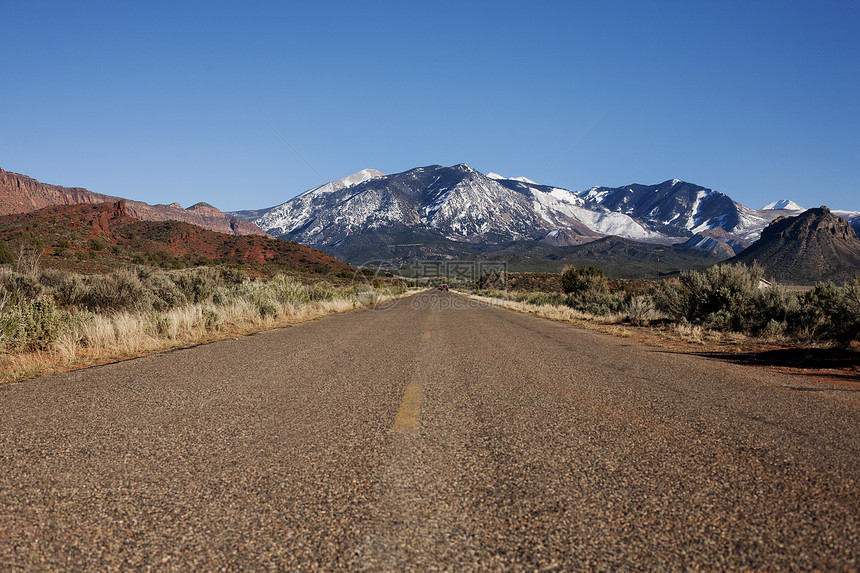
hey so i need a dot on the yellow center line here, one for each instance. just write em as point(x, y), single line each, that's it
point(407, 416)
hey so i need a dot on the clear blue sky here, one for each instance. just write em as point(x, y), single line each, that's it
point(161, 101)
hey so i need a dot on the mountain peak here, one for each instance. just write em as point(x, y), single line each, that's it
point(497, 177)
point(783, 204)
point(813, 246)
point(466, 168)
point(358, 177)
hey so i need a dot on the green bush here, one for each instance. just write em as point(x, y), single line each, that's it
point(6, 256)
point(32, 325)
point(583, 280)
point(829, 311)
point(71, 289)
point(722, 297)
point(774, 304)
point(198, 285)
point(119, 291)
point(211, 318)
point(774, 329)
point(17, 287)
point(165, 293)
point(97, 244)
point(640, 310)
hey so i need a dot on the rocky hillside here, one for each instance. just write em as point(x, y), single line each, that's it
point(808, 248)
point(22, 194)
point(99, 236)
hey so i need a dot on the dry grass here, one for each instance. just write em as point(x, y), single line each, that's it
point(616, 325)
point(690, 332)
point(105, 338)
point(552, 312)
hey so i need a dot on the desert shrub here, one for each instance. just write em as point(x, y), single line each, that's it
point(97, 244)
point(260, 296)
point(582, 280)
point(6, 256)
point(722, 297)
point(640, 310)
point(596, 302)
point(538, 298)
point(774, 304)
point(118, 291)
point(231, 276)
point(19, 287)
point(211, 318)
point(165, 293)
point(829, 311)
point(850, 321)
point(773, 330)
point(69, 289)
point(162, 324)
point(322, 292)
point(198, 285)
point(32, 324)
point(53, 278)
point(267, 308)
point(721, 320)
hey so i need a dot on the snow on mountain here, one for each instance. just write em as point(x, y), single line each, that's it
point(457, 203)
point(679, 209)
point(551, 201)
point(284, 218)
point(463, 205)
point(784, 205)
point(496, 176)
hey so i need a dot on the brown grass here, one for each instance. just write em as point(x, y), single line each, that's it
point(124, 335)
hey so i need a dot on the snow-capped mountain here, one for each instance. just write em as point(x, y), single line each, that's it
point(783, 205)
point(457, 203)
point(679, 209)
point(465, 209)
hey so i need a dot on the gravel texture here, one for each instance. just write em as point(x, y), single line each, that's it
point(523, 445)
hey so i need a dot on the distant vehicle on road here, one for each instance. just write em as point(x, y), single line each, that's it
point(443, 287)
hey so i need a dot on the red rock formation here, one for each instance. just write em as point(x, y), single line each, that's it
point(113, 223)
point(22, 194)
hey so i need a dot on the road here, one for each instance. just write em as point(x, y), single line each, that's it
point(439, 434)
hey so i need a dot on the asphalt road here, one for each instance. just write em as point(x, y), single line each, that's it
point(436, 435)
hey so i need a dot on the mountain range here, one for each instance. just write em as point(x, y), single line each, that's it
point(458, 213)
point(451, 212)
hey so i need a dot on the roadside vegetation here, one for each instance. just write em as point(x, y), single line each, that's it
point(54, 319)
point(717, 303)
